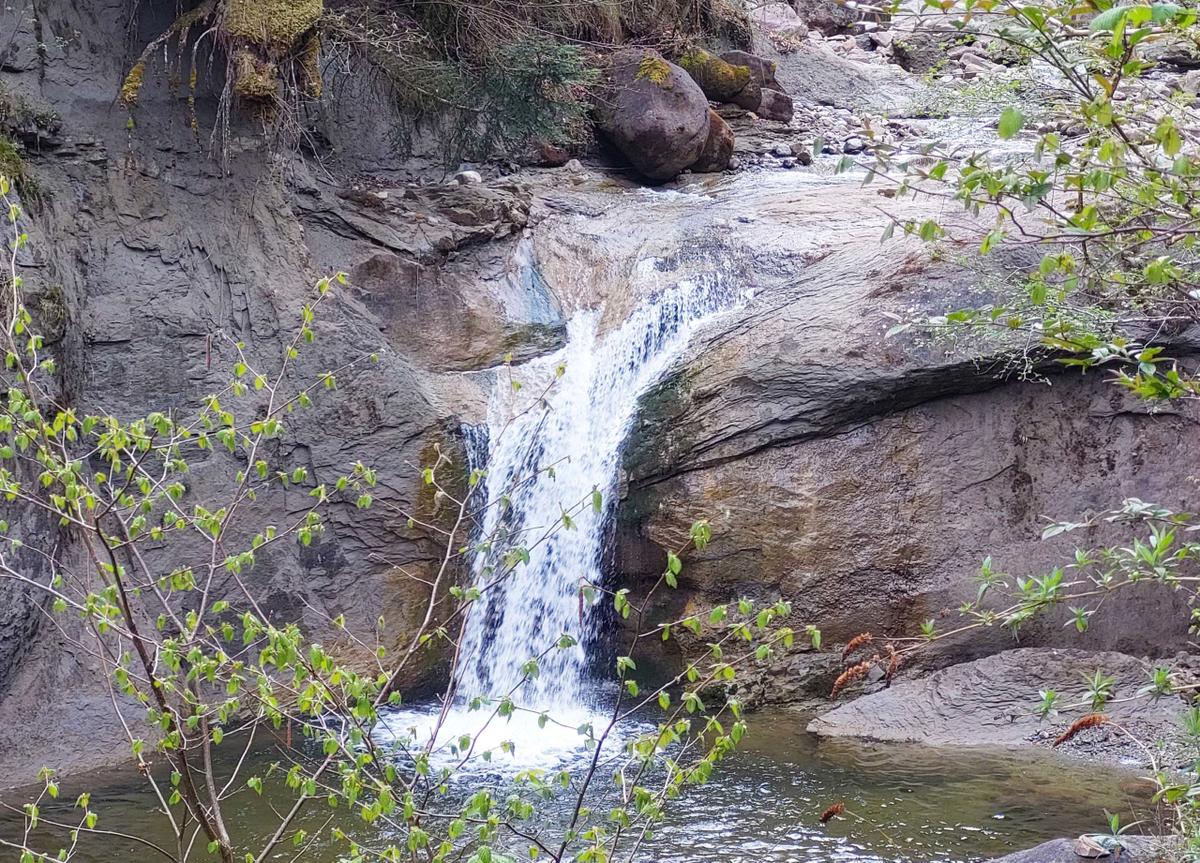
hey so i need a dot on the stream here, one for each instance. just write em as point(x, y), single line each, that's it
point(917, 804)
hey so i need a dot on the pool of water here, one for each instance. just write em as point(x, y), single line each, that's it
point(903, 803)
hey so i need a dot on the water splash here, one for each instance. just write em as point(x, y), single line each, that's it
point(548, 459)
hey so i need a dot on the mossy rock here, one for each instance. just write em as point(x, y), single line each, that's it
point(275, 25)
point(720, 81)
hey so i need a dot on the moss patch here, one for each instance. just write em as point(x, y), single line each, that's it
point(254, 79)
point(656, 70)
point(276, 25)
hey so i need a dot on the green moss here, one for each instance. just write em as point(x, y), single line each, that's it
point(719, 80)
point(275, 25)
point(654, 69)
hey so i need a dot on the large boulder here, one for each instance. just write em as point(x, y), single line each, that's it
point(925, 49)
point(718, 149)
point(762, 70)
point(720, 80)
point(764, 94)
point(654, 113)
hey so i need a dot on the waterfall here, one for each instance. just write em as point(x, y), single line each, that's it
point(547, 457)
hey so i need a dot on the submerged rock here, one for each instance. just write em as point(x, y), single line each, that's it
point(654, 113)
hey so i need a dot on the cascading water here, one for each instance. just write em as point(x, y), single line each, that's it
point(552, 440)
point(548, 458)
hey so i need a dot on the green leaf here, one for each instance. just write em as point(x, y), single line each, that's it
point(1011, 122)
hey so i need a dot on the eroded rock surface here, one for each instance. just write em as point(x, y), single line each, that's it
point(989, 702)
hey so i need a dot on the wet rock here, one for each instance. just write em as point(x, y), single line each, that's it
point(988, 702)
point(718, 149)
point(468, 178)
point(853, 145)
point(654, 113)
point(776, 106)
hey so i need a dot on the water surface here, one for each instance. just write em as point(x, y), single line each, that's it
point(904, 803)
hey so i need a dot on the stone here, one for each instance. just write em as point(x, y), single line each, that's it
point(1134, 849)
point(762, 70)
point(779, 21)
point(468, 178)
point(574, 166)
point(987, 701)
point(924, 49)
point(828, 16)
point(974, 63)
point(654, 113)
point(853, 145)
point(776, 106)
point(782, 150)
point(720, 80)
point(718, 149)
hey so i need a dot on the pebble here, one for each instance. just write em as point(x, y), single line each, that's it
point(853, 145)
point(468, 178)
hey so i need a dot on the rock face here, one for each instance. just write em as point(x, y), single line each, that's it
point(655, 114)
point(834, 462)
point(989, 700)
point(157, 256)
